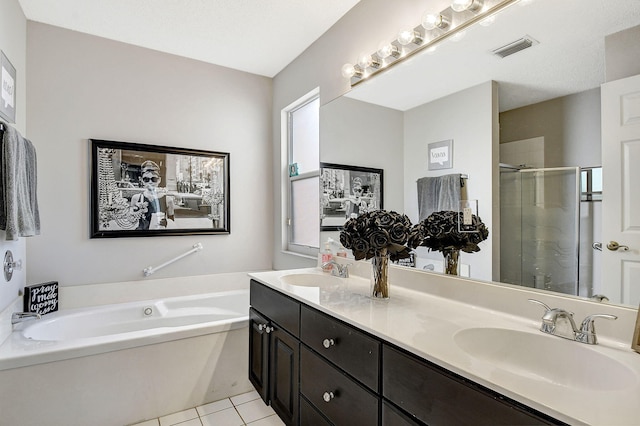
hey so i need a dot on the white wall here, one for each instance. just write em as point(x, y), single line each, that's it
point(467, 117)
point(83, 87)
point(13, 40)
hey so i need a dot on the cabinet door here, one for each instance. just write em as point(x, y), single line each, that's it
point(284, 374)
point(259, 353)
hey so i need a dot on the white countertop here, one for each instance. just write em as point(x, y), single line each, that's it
point(418, 320)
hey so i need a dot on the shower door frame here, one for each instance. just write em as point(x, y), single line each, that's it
point(576, 248)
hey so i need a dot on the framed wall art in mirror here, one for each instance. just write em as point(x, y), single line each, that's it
point(148, 190)
point(8, 82)
point(346, 192)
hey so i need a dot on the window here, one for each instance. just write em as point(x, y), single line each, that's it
point(302, 124)
point(591, 184)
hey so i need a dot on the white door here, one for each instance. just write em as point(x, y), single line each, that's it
point(621, 190)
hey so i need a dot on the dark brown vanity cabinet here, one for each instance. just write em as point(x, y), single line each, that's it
point(437, 397)
point(340, 374)
point(317, 370)
point(274, 350)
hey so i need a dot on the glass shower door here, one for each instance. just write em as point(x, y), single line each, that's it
point(547, 229)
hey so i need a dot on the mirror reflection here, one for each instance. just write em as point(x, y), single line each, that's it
point(526, 132)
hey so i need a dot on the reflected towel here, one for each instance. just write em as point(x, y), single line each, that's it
point(19, 215)
point(438, 193)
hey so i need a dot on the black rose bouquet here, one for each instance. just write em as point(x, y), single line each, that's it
point(440, 232)
point(371, 233)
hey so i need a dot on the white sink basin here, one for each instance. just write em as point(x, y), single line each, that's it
point(546, 358)
point(311, 280)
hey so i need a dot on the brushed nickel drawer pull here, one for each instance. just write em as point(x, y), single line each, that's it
point(265, 327)
point(327, 343)
point(328, 396)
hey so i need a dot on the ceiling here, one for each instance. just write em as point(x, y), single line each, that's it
point(568, 59)
point(260, 37)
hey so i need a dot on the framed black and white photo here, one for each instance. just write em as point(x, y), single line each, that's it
point(149, 190)
point(8, 94)
point(346, 192)
point(440, 155)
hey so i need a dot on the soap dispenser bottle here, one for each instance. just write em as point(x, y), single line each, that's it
point(327, 256)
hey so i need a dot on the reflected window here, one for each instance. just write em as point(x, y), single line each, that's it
point(303, 165)
point(591, 184)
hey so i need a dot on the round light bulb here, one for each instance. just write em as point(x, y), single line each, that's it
point(461, 5)
point(348, 70)
point(431, 21)
point(364, 61)
point(406, 36)
point(386, 49)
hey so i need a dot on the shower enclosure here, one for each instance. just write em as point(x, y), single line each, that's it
point(539, 227)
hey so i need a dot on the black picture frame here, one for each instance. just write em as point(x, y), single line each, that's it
point(140, 190)
point(8, 89)
point(338, 198)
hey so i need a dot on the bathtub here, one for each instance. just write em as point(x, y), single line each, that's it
point(123, 363)
point(72, 333)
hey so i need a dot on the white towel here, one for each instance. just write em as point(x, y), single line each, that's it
point(438, 193)
point(19, 215)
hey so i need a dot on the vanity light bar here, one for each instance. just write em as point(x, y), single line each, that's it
point(423, 38)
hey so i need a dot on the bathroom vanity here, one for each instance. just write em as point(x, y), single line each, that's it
point(323, 352)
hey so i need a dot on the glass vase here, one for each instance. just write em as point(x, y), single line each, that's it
point(451, 264)
point(380, 275)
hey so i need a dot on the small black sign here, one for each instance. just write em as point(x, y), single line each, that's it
point(41, 298)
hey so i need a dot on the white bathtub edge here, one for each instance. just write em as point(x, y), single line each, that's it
point(15, 359)
point(16, 351)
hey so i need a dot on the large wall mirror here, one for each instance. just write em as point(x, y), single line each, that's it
point(526, 131)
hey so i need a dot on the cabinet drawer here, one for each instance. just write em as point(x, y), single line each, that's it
point(351, 350)
point(309, 416)
point(280, 309)
point(392, 417)
point(437, 398)
point(352, 404)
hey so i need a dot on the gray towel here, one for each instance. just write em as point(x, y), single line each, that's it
point(19, 215)
point(438, 193)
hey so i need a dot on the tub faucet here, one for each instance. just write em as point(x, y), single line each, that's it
point(338, 270)
point(18, 317)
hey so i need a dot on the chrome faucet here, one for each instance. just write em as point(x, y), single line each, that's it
point(585, 334)
point(338, 270)
point(18, 317)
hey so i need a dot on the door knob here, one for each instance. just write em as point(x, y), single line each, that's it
point(614, 246)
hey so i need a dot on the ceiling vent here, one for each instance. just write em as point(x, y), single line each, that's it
point(514, 47)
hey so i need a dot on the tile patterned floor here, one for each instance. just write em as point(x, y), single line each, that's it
point(246, 409)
